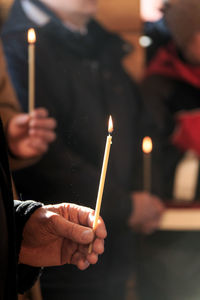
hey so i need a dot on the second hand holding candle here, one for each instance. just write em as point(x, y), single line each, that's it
point(103, 176)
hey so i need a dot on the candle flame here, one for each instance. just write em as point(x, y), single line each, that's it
point(147, 145)
point(110, 125)
point(31, 36)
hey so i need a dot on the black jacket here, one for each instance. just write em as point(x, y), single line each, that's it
point(80, 80)
point(13, 277)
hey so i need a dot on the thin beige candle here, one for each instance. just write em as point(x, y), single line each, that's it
point(147, 147)
point(103, 177)
point(31, 68)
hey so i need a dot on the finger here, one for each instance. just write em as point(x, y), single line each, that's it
point(80, 261)
point(72, 212)
point(92, 258)
point(83, 249)
point(86, 217)
point(100, 231)
point(98, 246)
point(44, 135)
point(72, 231)
point(159, 208)
point(150, 227)
point(21, 120)
point(45, 123)
point(38, 145)
point(81, 215)
point(40, 112)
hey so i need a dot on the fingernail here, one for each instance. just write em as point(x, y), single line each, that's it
point(23, 118)
point(87, 235)
point(86, 264)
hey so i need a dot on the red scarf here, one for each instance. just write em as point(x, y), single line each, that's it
point(186, 135)
point(168, 63)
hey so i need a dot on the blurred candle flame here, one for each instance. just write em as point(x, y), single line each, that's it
point(147, 145)
point(110, 125)
point(31, 36)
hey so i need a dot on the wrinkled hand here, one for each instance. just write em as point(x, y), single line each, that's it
point(60, 234)
point(147, 211)
point(29, 135)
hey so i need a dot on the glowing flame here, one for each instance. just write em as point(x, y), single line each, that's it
point(147, 145)
point(110, 125)
point(31, 36)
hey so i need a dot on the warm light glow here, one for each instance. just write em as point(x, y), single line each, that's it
point(150, 10)
point(147, 145)
point(110, 125)
point(31, 36)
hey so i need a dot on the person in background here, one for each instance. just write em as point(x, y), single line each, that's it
point(169, 266)
point(34, 235)
point(28, 135)
point(81, 81)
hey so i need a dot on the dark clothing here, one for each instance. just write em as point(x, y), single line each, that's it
point(159, 34)
point(80, 80)
point(11, 228)
point(3, 250)
point(169, 267)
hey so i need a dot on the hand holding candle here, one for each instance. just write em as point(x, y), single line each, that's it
point(147, 147)
point(31, 62)
point(103, 176)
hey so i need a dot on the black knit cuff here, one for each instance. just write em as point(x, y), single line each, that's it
point(27, 276)
point(23, 211)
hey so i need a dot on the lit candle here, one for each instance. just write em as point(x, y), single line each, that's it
point(147, 147)
point(31, 63)
point(103, 176)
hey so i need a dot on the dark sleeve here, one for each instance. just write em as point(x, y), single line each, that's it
point(26, 275)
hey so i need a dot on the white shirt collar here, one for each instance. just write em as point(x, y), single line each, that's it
point(34, 13)
point(40, 18)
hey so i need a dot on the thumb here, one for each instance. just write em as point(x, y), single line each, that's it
point(75, 232)
point(21, 119)
point(18, 125)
